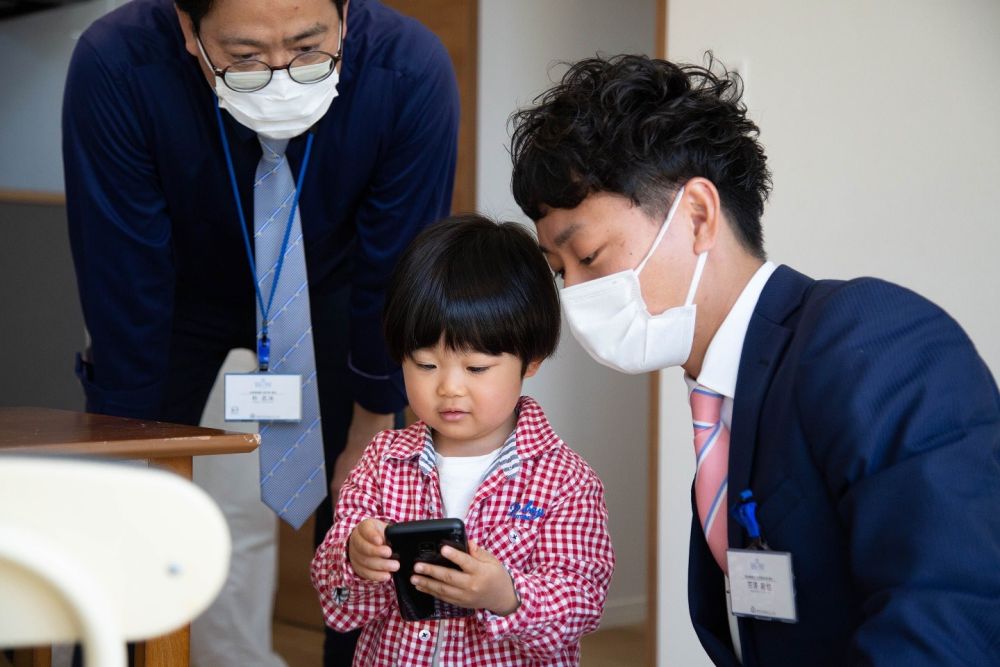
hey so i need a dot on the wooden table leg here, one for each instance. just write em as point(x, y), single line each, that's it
point(173, 650)
point(182, 465)
point(33, 657)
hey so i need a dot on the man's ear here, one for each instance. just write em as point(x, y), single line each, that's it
point(187, 27)
point(704, 208)
point(191, 43)
point(343, 19)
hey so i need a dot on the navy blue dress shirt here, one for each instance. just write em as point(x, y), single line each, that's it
point(152, 218)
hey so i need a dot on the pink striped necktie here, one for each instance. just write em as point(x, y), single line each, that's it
point(711, 446)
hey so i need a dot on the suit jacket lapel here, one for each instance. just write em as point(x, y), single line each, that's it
point(767, 336)
point(763, 348)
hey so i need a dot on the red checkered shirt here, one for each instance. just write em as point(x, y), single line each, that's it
point(540, 510)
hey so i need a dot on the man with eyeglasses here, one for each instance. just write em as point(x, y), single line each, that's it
point(244, 174)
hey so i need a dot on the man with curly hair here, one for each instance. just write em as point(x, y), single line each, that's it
point(847, 433)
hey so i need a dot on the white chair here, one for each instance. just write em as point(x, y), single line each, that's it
point(103, 553)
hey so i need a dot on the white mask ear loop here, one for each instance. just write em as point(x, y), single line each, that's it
point(663, 230)
point(204, 55)
point(699, 267)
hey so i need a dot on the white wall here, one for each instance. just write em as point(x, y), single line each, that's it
point(601, 414)
point(35, 50)
point(881, 125)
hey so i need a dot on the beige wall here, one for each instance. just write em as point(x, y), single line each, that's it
point(880, 123)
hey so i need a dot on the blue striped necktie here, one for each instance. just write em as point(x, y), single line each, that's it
point(292, 472)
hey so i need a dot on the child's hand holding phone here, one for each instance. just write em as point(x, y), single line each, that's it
point(481, 583)
point(370, 556)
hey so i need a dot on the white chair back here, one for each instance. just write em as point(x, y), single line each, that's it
point(103, 553)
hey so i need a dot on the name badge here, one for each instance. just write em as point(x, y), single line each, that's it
point(254, 397)
point(761, 584)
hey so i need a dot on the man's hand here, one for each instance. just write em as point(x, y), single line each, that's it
point(482, 583)
point(368, 552)
point(364, 426)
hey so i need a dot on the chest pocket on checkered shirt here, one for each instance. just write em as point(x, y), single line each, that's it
point(515, 536)
point(513, 540)
point(517, 515)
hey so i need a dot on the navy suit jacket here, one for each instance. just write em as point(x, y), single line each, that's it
point(868, 429)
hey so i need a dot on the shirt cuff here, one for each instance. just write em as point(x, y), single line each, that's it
point(343, 578)
point(340, 561)
point(137, 403)
point(513, 624)
point(381, 393)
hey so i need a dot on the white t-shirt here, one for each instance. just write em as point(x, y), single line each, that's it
point(460, 477)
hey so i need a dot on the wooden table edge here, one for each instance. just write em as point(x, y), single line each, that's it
point(224, 443)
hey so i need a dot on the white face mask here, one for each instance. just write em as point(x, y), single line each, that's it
point(609, 317)
point(283, 108)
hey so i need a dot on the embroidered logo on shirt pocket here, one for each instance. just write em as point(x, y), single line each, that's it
point(526, 510)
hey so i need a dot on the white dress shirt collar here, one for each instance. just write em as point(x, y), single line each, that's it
point(722, 358)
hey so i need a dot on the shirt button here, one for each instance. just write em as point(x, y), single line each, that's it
point(424, 635)
point(515, 536)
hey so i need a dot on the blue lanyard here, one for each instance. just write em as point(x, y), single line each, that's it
point(263, 344)
point(746, 515)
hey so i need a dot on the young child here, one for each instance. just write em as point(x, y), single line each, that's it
point(471, 311)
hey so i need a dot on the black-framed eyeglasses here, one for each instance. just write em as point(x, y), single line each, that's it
point(248, 76)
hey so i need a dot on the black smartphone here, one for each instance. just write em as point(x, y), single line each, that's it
point(420, 542)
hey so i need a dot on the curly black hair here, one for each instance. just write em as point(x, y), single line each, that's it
point(641, 127)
